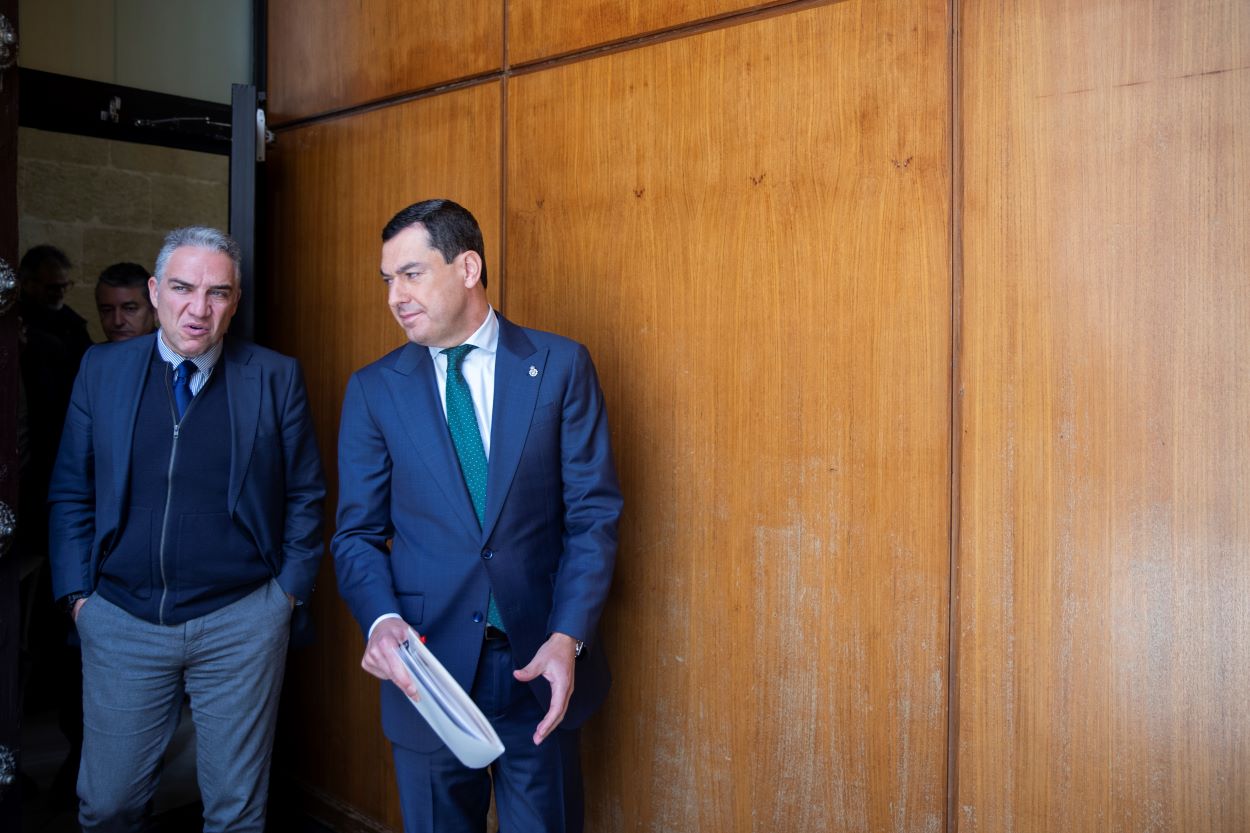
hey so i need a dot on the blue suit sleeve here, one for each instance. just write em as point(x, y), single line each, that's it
point(71, 495)
point(592, 500)
point(302, 543)
point(361, 556)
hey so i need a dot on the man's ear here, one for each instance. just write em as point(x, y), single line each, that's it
point(472, 268)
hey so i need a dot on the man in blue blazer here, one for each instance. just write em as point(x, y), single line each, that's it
point(478, 505)
point(186, 522)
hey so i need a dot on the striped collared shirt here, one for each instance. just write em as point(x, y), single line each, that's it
point(206, 361)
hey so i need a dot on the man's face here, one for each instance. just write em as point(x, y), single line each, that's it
point(124, 311)
point(195, 299)
point(49, 285)
point(430, 298)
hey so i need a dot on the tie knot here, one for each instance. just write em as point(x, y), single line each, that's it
point(184, 371)
point(455, 355)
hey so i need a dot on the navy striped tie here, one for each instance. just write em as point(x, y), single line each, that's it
point(182, 386)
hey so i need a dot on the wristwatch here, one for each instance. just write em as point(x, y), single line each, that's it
point(68, 602)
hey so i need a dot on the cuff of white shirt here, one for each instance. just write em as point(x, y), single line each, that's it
point(379, 619)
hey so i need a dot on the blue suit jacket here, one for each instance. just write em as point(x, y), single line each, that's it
point(276, 488)
point(548, 543)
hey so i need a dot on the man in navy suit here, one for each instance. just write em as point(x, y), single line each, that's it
point(480, 452)
point(186, 518)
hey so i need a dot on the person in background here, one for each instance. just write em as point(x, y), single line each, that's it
point(478, 505)
point(44, 275)
point(52, 343)
point(186, 518)
point(121, 299)
point(55, 339)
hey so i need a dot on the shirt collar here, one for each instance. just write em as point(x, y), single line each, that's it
point(206, 361)
point(485, 339)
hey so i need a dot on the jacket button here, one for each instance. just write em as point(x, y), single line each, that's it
point(488, 554)
point(477, 616)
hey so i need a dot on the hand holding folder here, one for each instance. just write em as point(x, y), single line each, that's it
point(446, 706)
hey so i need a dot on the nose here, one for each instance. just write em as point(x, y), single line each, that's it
point(118, 319)
point(395, 293)
point(199, 305)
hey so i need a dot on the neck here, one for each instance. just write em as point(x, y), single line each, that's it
point(474, 319)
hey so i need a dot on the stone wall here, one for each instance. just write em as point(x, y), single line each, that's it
point(103, 201)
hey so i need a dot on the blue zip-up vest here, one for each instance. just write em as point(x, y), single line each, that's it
point(179, 554)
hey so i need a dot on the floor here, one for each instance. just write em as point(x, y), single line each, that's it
point(176, 806)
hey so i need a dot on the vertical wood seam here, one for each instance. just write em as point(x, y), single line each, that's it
point(956, 384)
point(503, 166)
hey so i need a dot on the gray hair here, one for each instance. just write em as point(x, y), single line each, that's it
point(200, 237)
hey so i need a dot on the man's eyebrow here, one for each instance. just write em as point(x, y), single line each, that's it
point(406, 267)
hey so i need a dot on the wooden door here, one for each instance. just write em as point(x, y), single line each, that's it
point(749, 227)
point(332, 186)
point(1104, 657)
point(325, 55)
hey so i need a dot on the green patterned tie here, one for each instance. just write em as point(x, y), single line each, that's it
point(462, 423)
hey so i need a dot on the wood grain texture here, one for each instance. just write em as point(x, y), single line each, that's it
point(543, 28)
point(332, 187)
point(750, 230)
point(325, 55)
point(1105, 632)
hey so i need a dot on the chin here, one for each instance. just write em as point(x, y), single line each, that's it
point(416, 336)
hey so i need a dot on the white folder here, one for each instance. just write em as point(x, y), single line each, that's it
point(447, 708)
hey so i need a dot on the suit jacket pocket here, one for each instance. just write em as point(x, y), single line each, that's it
point(411, 607)
point(132, 559)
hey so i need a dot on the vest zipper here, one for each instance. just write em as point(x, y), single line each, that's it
point(169, 494)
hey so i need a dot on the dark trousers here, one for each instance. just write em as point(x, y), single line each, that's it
point(538, 789)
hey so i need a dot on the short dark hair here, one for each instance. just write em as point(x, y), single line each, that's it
point(452, 228)
point(37, 256)
point(125, 275)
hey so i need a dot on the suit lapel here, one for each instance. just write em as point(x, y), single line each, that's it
point(519, 371)
point(243, 398)
point(415, 398)
point(134, 374)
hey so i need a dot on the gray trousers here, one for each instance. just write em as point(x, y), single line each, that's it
point(230, 664)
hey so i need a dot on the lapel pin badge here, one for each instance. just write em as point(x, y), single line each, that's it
point(533, 371)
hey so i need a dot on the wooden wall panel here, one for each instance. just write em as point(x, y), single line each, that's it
point(750, 229)
point(543, 28)
point(325, 55)
point(1105, 466)
point(332, 186)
